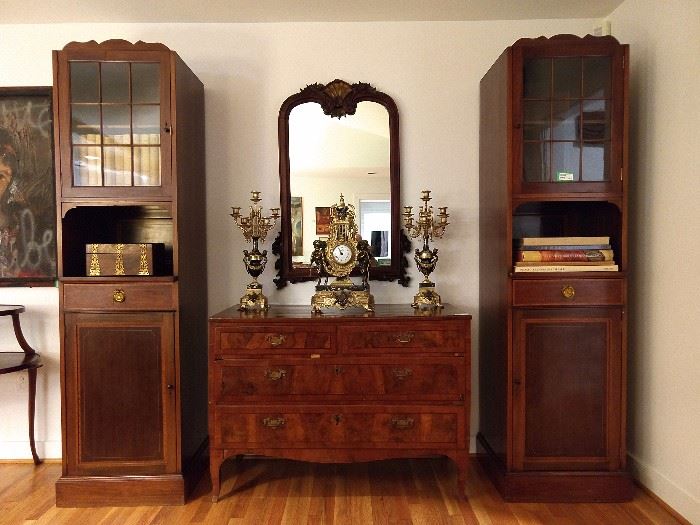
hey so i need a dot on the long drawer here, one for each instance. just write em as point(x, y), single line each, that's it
point(440, 379)
point(401, 337)
point(563, 292)
point(120, 296)
point(341, 427)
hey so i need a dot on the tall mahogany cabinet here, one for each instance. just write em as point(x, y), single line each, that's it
point(129, 130)
point(552, 359)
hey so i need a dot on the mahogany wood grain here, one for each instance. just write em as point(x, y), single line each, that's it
point(135, 296)
point(550, 292)
point(552, 368)
point(387, 384)
point(134, 371)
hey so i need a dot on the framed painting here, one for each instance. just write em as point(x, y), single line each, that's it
point(297, 227)
point(27, 196)
point(323, 220)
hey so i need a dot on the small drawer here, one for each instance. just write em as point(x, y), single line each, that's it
point(338, 427)
point(562, 292)
point(119, 296)
point(399, 337)
point(278, 339)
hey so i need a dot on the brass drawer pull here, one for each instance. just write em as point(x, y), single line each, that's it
point(405, 337)
point(275, 375)
point(274, 422)
point(402, 373)
point(402, 423)
point(568, 292)
point(118, 296)
point(337, 419)
point(275, 339)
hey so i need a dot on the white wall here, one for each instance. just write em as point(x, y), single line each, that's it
point(432, 70)
point(664, 363)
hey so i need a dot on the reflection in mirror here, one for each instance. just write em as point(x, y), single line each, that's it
point(350, 154)
point(339, 138)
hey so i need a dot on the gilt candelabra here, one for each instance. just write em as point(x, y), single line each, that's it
point(254, 228)
point(428, 227)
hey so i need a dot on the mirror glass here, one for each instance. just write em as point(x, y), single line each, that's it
point(335, 139)
point(329, 156)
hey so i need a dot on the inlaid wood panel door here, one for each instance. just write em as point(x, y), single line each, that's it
point(119, 394)
point(566, 389)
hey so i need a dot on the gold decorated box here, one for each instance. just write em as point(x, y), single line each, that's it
point(122, 259)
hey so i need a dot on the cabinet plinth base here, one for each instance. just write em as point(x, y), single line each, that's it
point(555, 486)
point(120, 491)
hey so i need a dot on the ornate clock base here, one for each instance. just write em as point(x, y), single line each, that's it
point(426, 297)
point(342, 299)
point(253, 300)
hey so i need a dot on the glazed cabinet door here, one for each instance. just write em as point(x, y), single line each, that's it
point(114, 123)
point(566, 389)
point(568, 116)
point(119, 406)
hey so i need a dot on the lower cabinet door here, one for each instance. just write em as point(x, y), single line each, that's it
point(567, 389)
point(119, 410)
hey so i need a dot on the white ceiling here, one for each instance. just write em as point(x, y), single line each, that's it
point(75, 11)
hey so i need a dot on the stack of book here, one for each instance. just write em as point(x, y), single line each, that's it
point(564, 254)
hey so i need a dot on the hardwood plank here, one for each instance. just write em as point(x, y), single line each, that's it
point(260, 491)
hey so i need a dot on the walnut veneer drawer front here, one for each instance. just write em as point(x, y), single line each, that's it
point(283, 427)
point(431, 337)
point(270, 339)
point(119, 296)
point(561, 292)
point(441, 379)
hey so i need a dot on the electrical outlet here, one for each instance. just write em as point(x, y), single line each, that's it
point(603, 29)
point(21, 382)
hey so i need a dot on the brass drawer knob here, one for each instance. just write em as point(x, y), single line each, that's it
point(118, 296)
point(402, 373)
point(275, 375)
point(568, 292)
point(274, 422)
point(402, 423)
point(405, 337)
point(275, 339)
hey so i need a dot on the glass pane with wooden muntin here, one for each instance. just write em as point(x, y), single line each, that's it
point(115, 123)
point(566, 119)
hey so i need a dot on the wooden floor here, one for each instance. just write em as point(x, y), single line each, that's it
point(261, 492)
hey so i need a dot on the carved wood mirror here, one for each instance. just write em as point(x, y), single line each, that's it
point(339, 138)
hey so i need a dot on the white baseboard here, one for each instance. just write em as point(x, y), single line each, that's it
point(673, 495)
point(21, 450)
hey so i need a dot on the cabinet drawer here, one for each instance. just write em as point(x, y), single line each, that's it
point(119, 296)
point(560, 292)
point(325, 427)
point(442, 379)
point(432, 337)
point(252, 339)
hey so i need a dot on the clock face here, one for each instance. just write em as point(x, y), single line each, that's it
point(342, 254)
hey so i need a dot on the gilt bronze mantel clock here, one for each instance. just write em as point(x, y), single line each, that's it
point(338, 256)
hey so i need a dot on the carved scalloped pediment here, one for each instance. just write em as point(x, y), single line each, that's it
point(338, 98)
point(117, 43)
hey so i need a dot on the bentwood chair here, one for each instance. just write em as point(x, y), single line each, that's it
point(27, 360)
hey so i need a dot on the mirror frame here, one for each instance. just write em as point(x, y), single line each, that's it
point(338, 99)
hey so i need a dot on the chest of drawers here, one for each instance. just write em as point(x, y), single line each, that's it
point(339, 387)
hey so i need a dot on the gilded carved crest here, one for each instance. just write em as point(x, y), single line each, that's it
point(338, 98)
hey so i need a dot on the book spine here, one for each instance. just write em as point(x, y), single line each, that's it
point(563, 255)
point(566, 247)
point(566, 268)
point(539, 241)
